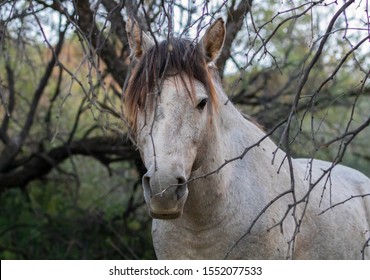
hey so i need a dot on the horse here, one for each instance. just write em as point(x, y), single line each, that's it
point(217, 187)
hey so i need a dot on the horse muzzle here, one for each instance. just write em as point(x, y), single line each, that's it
point(165, 195)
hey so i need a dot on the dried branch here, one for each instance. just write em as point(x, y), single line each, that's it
point(12, 149)
point(40, 164)
point(234, 24)
point(344, 201)
point(86, 22)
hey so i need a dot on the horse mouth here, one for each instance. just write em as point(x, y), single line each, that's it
point(165, 216)
point(164, 208)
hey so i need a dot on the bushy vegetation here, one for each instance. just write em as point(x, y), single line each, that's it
point(94, 216)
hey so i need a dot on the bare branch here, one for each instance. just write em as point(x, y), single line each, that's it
point(40, 164)
point(234, 24)
point(344, 201)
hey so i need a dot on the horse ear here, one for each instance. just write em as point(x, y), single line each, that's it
point(138, 40)
point(213, 40)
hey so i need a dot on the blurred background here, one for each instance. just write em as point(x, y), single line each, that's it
point(70, 184)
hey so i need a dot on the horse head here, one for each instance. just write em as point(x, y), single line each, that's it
point(169, 103)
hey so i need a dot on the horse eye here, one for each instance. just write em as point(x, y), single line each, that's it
point(202, 104)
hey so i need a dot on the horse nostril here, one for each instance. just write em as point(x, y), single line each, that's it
point(181, 188)
point(181, 181)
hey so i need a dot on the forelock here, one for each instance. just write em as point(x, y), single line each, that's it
point(168, 58)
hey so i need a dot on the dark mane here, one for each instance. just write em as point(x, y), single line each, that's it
point(169, 58)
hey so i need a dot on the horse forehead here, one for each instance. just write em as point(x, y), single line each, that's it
point(182, 90)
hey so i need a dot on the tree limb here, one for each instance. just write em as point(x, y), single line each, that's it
point(116, 65)
point(40, 164)
point(234, 24)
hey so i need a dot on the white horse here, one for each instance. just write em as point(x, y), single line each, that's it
point(256, 207)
